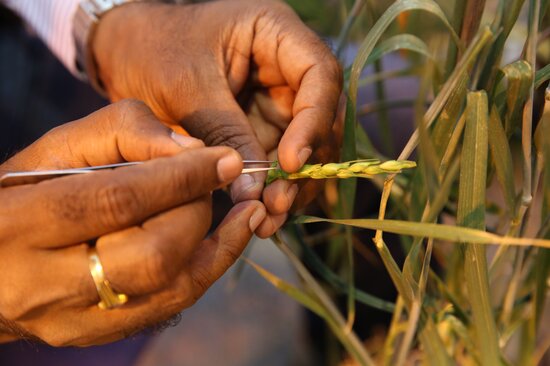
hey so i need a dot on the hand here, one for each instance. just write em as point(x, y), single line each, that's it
point(246, 74)
point(149, 220)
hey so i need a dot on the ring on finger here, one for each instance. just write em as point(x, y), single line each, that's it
point(109, 298)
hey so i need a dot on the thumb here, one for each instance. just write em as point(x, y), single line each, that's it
point(221, 121)
point(218, 252)
point(123, 131)
point(126, 131)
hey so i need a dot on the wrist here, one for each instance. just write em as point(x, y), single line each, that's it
point(86, 20)
point(119, 40)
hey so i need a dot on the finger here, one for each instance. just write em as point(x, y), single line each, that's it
point(147, 258)
point(275, 105)
point(222, 122)
point(279, 196)
point(218, 252)
point(270, 225)
point(314, 113)
point(267, 133)
point(78, 208)
point(124, 131)
point(128, 131)
point(211, 259)
point(138, 260)
point(305, 63)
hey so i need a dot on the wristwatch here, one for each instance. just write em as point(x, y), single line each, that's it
point(85, 21)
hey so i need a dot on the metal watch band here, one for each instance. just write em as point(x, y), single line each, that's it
point(85, 21)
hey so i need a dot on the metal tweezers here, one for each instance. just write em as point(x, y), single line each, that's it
point(30, 177)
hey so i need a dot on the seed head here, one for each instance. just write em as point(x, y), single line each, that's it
point(351, 169)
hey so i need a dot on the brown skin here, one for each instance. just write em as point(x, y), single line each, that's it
point(150, 221)
point(245, 74)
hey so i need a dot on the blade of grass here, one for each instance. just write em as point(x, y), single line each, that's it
point(445, 124)
point(350, 20)
point(390, 74)
point(509, 11)
point(312, 260)
point(395, 330)
point(502, 159)
point(471, 214)
point(451, 149)
point(456, 21)
point(519, 79)
point(541, 76)
point(471, 20)
point(428, 230)
point(378, 29)
point(527, 123)
point(541, 267)
point(367, 46)
point(414, 314)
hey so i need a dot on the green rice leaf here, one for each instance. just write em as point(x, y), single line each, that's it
point(542, 264)
point(471, 214)
point(408, 42)
point(450, 233)
point(505, 20)
point(502, 159)
point(541, 76)
point(519, 78)
point(316, 264)
point(446, 122)
point(380, 27)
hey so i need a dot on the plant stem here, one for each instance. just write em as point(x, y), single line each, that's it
point(344, 33)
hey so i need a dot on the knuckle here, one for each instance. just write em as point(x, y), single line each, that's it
point(230, 248)
point(201, 282)
point(186, 180)
point(127, 106)
point(158, 269)
point(232, 251)
point(227, 135)
point(181, 296)
point(126, 110)
point(117, 205)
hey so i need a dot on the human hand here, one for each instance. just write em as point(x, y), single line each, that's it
point(149, 220)
point(120, 132)
point(252, 76)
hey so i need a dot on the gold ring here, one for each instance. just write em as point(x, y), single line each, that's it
point(109, 299)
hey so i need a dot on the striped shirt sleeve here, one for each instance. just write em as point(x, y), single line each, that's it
point(52, 20)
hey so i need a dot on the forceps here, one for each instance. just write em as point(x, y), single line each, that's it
point(30, 177)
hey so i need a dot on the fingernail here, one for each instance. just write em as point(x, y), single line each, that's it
point(291, 193)
point(256, 219)
point(304, 154)
point(243, 184)
point(229, 167)
point(184, 141)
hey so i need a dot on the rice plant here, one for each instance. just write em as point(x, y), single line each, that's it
point(473, 217)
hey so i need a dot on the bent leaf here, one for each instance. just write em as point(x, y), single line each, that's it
point(437, 231)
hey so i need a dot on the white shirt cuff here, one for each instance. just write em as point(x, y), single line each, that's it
point(52, 20)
